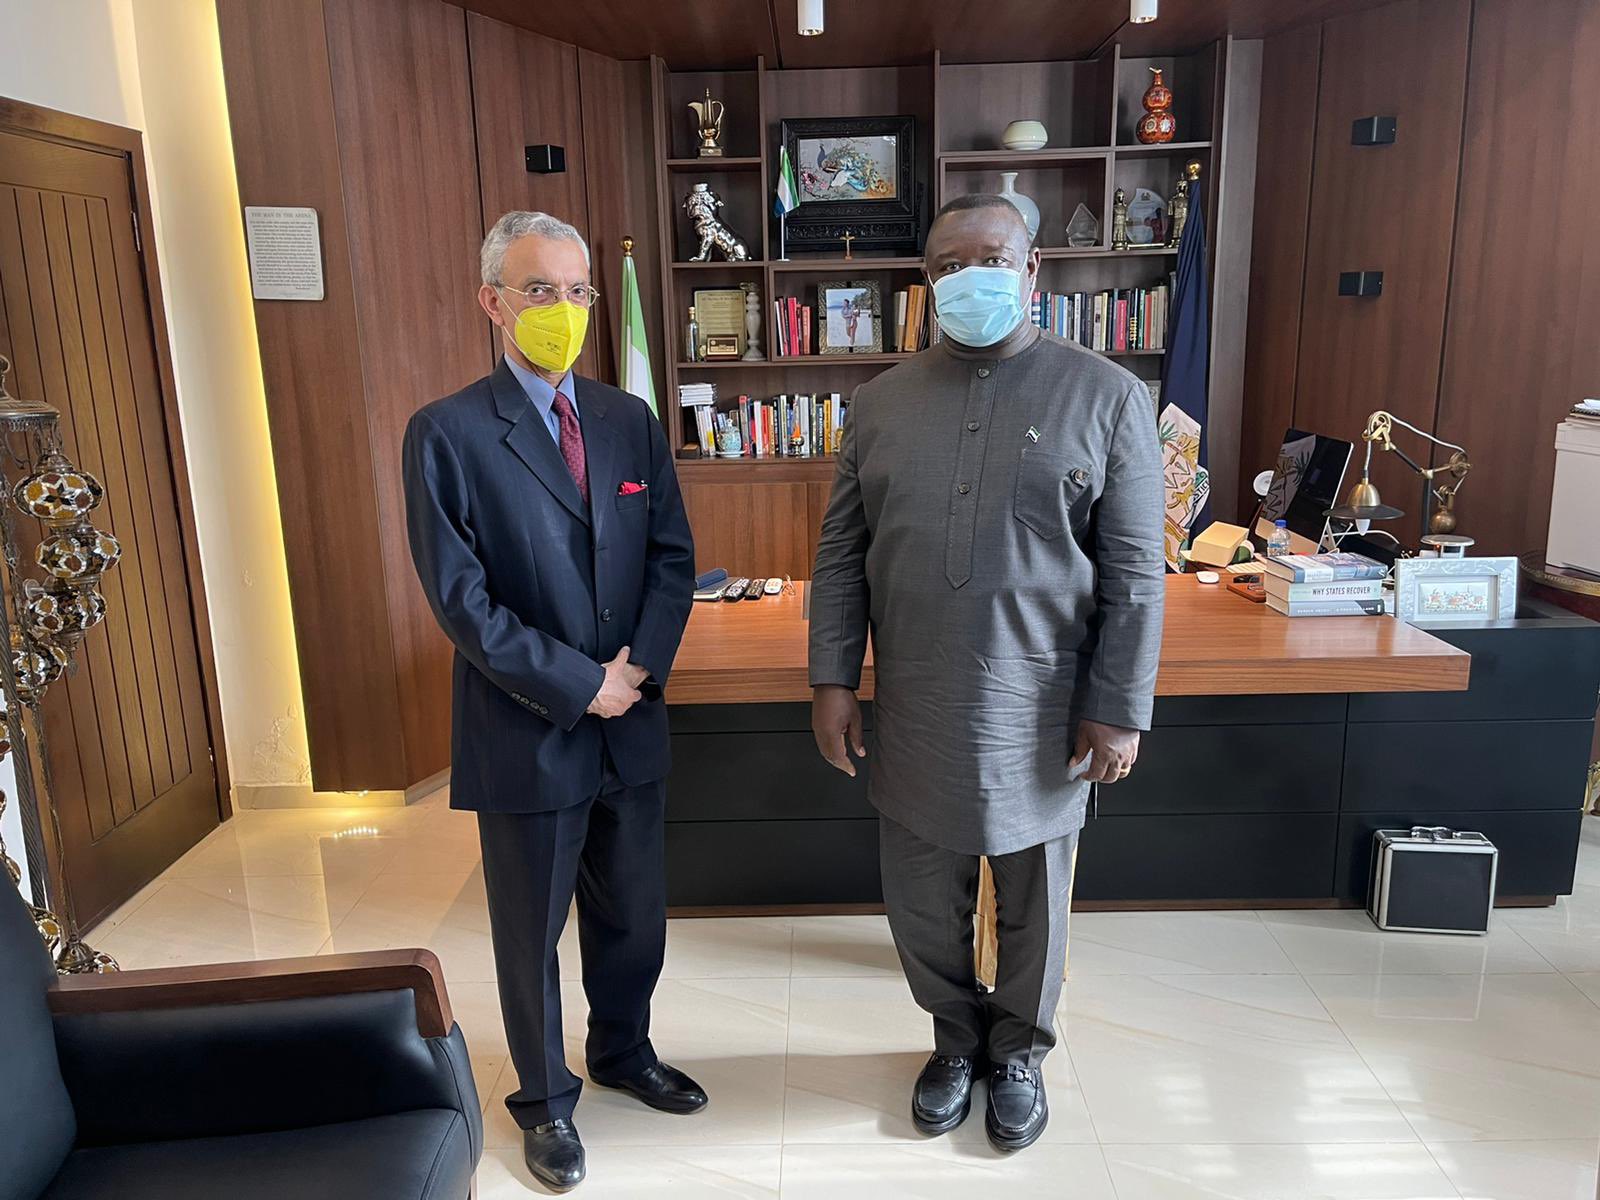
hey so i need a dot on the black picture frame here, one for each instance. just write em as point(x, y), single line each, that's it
point(887, 224)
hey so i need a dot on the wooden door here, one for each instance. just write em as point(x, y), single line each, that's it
point(130, 736)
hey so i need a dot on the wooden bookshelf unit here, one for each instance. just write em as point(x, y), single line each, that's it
point(759, 516)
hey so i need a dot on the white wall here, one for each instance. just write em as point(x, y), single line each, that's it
point(155, 66)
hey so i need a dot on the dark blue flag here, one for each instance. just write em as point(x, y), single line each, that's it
point(1187, 364)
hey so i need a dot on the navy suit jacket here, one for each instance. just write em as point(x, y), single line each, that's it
point(537, 589)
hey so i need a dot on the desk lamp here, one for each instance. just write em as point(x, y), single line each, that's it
point(1363, 505)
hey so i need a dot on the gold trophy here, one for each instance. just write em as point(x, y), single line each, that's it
point(708, 124)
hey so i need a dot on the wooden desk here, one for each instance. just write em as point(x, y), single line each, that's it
point(1278, 747)
point(1215, 643)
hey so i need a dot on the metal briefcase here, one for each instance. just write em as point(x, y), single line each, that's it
point(1430, 879)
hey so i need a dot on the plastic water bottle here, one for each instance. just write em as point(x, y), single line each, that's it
point(1278, 542)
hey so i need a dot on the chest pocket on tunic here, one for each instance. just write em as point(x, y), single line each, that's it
point(1052, 492)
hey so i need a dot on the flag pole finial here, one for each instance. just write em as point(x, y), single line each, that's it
point(627, 246)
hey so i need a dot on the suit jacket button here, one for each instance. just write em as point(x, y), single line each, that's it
point(605, 614)
point(1080, 476)
point(963, 488)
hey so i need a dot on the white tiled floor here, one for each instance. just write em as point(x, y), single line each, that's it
point(1213, 1056)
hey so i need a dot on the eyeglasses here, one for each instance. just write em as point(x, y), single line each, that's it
point(541, 295)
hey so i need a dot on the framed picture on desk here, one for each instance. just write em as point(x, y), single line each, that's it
point(1455, 589)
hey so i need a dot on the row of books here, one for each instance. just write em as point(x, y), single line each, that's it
point(911, 318)
point(1119, 319)
point(782, 427)
point(1323, 585)
point(793, 323)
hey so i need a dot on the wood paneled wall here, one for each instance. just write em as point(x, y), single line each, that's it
point(1476, 215)
point(1521, 345)
point(404, 122)
point(286, 151)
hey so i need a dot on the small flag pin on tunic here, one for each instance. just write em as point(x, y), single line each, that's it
point(1033, 434)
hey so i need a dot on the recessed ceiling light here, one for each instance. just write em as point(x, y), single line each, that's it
point(810, 18)
point(1142, 12)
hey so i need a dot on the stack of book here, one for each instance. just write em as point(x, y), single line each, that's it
point(791, 426)
point(793, 323)
point(1586, 410)
point(1324, 585)
point(911, 318)
point(702, 398)
point(1118, 320)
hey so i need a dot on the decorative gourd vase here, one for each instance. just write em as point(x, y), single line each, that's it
point(1158, 124)
point(1025, 206)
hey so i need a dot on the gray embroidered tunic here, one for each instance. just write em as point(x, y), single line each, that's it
point(997, 524)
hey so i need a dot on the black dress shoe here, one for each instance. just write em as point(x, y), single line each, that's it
point(1017, 1112)
point(943, 1095)
point(554, 1154)
point(661, 1086)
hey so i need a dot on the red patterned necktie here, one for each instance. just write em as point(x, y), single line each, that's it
point(572, 445)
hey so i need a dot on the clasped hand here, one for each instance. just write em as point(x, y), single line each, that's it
point(620, 690)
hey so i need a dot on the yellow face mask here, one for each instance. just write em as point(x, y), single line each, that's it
point(552, 335)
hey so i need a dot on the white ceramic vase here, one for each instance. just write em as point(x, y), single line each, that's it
point(1025, 206)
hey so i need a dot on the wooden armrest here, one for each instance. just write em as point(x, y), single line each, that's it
point(417, 971)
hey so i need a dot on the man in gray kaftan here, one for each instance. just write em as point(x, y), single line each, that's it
point(996, 522)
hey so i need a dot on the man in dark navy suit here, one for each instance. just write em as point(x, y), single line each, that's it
point(550, 537)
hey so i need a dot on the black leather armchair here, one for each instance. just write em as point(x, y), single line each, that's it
point(341, 1077)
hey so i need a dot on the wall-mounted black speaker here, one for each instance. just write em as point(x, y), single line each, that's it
point(1373, 131)
point(547, 160)
point(1360, 283)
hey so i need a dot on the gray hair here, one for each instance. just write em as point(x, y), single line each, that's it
point(515, 225)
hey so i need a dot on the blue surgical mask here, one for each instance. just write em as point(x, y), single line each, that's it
point(977, 306)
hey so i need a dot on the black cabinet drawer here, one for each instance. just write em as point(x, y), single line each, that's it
point(760, 776)
point(1242, 857)
point(747, 718)
point(1189, 769)
point(772, 862)
point(1249, 710)
point(1538, 850)
point(1530, 671)
point(1430, 766)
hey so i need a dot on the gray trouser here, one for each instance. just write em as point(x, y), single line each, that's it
point(931, 895)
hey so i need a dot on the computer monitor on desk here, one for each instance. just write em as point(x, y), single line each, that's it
point(1306, 482)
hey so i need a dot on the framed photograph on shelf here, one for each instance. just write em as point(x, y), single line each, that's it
point(856, 175)
point(1455, 589)
point(851, 317)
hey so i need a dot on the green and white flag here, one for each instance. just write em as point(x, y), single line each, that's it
point(633, 351)
point(788, 187)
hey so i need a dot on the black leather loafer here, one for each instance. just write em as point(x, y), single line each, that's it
point(662, 1087)
point(1018, 1111)
point(554, 1154)
point(943, 1095)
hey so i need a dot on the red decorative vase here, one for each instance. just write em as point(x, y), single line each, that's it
point(1158, 124)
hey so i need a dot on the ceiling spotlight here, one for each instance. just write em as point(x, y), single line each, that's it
point(811, 17)
point(1142, 12)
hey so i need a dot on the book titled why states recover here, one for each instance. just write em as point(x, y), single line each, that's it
point(1323, 568)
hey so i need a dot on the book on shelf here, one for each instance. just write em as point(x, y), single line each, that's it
point(1323, 568)
point(785, 426)
point(1326, 608)
point(1113, 321)
point(690, 395)
point(1340, 589)
point(911, 319)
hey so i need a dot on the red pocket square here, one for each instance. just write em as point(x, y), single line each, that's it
point(629, 488)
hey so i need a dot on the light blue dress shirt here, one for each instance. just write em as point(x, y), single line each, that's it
point(543, 396)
